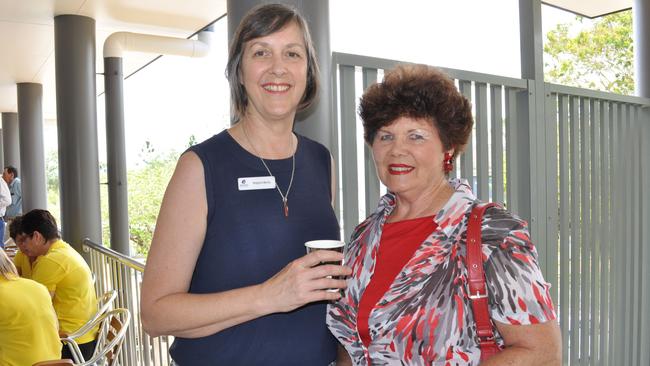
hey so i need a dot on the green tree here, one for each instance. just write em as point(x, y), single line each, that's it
point(600, 57)
point(52, 178)
point(146, 189)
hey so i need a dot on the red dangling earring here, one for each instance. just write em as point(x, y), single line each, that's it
point(447, 164)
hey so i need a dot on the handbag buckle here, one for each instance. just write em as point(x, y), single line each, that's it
point(486, 339)
point(478, 296)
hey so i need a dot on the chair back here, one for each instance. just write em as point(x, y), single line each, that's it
point(112, 332)
point(104, 303)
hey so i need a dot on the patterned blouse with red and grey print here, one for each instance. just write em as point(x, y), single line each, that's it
point(425, 317)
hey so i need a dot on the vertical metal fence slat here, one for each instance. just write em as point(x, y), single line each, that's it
point(627, 241)
point(512, 175)
point(604, 233)
point(371, 180)
point(616, 336)
point(634, 247)
point(496, 103)
point(593, 233)
point(335, 149)
point(349, 150)
point(482, 139)
point(467, 158)
point(634, 195)
point(132, 303)
point(575, 231)
point(644, 337)
point(565, 270)
point(638, 223)
point(551, 194)
point(585, 253)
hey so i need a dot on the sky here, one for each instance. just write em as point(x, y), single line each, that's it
point(175, 97)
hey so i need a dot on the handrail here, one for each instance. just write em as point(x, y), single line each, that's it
point(382, 63)
point(597, 94)
point(128, 261)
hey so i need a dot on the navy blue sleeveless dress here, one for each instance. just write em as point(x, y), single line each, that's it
point(248, 240)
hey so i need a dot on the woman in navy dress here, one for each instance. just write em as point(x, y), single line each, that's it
point(227, 273)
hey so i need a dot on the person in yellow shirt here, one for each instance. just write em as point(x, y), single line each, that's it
point(28, 325)
point(65, 274)
point(23, 265)
point(22, 262)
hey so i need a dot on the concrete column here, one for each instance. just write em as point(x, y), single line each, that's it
point(32, 153)
point(317, 122)
point(10, 140)
point(76, 105)
point(641, 23)
point(116, 158)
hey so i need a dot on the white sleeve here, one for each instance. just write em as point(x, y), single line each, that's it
point(5, 195)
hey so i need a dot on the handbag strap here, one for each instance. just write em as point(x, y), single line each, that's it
point(476, 282)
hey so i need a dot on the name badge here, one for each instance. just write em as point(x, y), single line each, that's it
point(254, 183)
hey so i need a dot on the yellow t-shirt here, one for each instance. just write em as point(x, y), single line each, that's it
point(28, 326)
point(22, 264)
point(65, 273)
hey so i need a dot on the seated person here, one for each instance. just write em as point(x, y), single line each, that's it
point(65, 274)
point(29, 329)
point(22, 262)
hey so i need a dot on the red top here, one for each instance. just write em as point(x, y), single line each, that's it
point(399, 240)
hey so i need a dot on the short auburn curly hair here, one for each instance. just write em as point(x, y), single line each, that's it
point(420, 92)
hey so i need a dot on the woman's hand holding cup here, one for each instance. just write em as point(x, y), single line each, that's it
point(317, 276)
point(319, 245)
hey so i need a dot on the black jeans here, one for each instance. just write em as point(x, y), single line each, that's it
point(87, 350)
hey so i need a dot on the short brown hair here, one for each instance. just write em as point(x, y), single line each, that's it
point(41, 221)
point(421, 92)
point(260, 22)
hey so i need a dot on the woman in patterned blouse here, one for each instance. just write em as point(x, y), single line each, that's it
point(407, 300)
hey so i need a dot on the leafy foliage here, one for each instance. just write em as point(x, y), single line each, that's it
point(600, 57)
point(146, 189)
point(52, 180)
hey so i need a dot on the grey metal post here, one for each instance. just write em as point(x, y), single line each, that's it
point(531, 119)
point(641, 21)
point(76, 105)
point(317, 122)
point(32, 153)
point(10, 140)
point(116, 156)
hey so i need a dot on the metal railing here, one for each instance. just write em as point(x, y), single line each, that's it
point(115, 271)
point(576, 173)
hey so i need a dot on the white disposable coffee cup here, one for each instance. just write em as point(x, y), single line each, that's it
point(335, 245)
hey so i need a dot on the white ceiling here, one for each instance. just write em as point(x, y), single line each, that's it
point(591, 8)
point(27, 35)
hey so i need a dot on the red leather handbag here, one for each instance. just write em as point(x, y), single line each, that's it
point(476, 282)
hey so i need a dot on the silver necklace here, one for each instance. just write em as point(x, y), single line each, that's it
point(285, 205)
